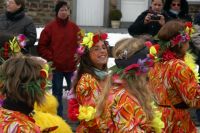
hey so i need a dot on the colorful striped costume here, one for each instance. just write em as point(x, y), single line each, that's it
point(16, 122)
point(122, 111)
point(175, 89)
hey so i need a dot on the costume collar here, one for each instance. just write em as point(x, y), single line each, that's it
point(19, 106)
point(100, 73)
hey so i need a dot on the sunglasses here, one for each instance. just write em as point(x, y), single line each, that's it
point(173, 4)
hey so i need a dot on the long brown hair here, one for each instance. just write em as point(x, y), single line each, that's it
point(85, 65)
point(17, 72)
point(136, 87)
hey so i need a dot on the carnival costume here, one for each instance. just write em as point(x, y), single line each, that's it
point(122, 111)
point(46, 117)
point(174, 84)
point(14, 113)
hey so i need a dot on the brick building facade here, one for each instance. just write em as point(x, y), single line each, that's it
point(42, 11)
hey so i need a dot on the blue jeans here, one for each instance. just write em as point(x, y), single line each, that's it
point(57, 87)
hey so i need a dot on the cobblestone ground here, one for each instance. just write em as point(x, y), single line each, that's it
point(72, 124)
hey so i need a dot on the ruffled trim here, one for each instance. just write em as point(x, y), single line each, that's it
point(190, 61)
point(157, 122)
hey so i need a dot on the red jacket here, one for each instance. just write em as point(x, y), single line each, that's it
point(58, 43)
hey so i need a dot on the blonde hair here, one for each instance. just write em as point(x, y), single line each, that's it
point(137, 86)
point(16, 73)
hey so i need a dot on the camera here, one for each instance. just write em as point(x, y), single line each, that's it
point(155, 17)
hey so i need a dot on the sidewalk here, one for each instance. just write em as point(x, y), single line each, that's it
point(104, 29)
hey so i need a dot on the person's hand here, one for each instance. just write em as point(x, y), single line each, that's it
point(147, 19)
point(162, 20)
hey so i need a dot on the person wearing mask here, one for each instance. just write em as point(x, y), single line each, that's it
point(58, 43)
point(14, 22)
point(150, 21)
point(177, 9)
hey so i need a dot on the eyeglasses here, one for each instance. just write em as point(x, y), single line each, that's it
point(173, 4)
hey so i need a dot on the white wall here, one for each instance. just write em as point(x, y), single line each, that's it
point(132, 8)
point(90, 12)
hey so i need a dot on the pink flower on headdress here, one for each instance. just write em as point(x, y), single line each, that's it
point(176, 40)
point(181, 38)
point(22, 40)
point(148, 44)
point(133, 66)
point(80, 50)
point(116, 79)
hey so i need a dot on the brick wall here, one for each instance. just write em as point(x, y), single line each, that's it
point(42, 11)
point(194, 9)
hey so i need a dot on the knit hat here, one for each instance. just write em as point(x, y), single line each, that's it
point(59, 5)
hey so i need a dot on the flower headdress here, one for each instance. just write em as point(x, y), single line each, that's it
point(129, 68)
point(181, 38)
point(89, 40)
point(13, 46)
point(40, 85)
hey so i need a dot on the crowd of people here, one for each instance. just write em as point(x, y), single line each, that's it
point(149, 89)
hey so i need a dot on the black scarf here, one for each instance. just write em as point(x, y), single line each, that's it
point(19, 106)
point(15, 15)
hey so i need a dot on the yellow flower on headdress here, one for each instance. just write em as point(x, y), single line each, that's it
point(88, 40)
point(14, 45)
point(86, 113)
point(189, 30)
point(152, 50)
point(46, 66)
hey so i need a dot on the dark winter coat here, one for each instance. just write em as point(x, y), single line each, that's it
point(181, 16)
point(139, 28)
point(13, 24)
point(58, 43)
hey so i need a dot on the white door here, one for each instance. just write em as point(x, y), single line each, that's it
point(90, 12)
point(131, 9)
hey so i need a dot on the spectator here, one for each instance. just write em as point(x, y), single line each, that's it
point(22, 85)
point(197, 19)
point(150, 21)
point(14, 22)
point(58, 43)
point(173, 80)
point(177, 9)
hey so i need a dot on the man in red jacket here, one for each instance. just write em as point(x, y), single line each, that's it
point(58, 43)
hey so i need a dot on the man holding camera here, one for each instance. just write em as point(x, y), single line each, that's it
point(150, 21)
